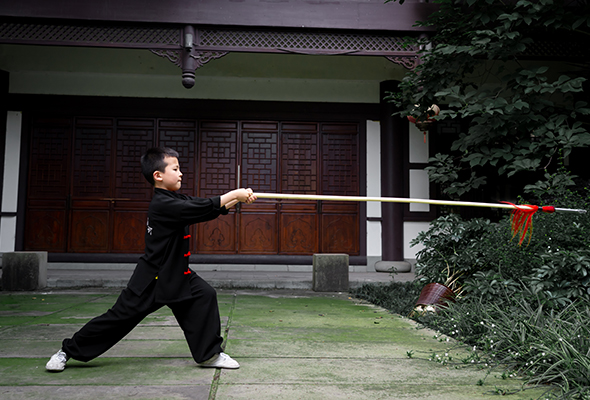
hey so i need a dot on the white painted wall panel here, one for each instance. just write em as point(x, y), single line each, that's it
point(11, 178)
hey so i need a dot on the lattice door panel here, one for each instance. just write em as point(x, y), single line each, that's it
point(181, 135)
point(50, 159)
point(48, 185)
point(340, 159)
point(93, 158)
point(299, 158)
point(298, 220)
point(218, 145)
point(134, 137)
point(259, 158)
point(217, 157)
point(259, 170)
point(339, 224)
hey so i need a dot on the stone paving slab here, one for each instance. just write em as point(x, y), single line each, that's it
point(362, 392)
point(328, 349)
point(290, 344)
point(110, 392)
point(125, 348)
point(107, 371)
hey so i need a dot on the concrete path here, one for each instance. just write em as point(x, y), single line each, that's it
point(292, 344)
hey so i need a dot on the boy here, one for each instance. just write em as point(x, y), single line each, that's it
point(162, 276)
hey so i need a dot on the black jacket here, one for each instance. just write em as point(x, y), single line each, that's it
point(167, 243)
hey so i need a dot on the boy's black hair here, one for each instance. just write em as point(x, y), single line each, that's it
point(153, 160)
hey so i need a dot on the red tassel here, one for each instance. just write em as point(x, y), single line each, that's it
point(521, 220)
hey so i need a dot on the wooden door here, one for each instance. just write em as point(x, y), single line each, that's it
point(86, 193)
point(46, 225)
point(298, 157)
point(109, 199)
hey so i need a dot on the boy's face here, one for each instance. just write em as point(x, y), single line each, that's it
point(171, 178)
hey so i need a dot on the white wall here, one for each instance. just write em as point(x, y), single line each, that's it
point(419, 188)
point(11, 178)
point(374, 241)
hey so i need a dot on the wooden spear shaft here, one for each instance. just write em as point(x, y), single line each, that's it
point(280, 196)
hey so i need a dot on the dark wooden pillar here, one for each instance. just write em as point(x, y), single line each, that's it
point(393, 147)
point(3, 109)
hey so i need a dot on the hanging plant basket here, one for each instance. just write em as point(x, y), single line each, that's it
point(435, 294)
point(424, 126)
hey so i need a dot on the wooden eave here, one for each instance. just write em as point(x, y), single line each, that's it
point(363, 15)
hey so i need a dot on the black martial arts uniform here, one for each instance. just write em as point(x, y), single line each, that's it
point(162, 277)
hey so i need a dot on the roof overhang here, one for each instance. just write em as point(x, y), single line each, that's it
point(366, 15)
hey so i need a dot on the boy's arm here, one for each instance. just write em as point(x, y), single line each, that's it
point(239, 195)
point(231, 204)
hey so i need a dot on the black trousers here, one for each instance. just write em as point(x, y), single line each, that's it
point(198, 317)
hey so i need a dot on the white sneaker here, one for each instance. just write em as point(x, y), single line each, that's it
point(220, 360)
point(57, 362)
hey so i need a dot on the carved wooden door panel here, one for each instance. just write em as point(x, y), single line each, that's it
point(109, 197)
point(91, 187)
point(181, 135)
point(259, 170)
point(298, 220)
point(319, 158)
point(131, 192)
point(340, 176)
point(218, 152)
point(46, 225)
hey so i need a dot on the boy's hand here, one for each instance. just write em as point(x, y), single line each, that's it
point(249, 196)
point(239, 195)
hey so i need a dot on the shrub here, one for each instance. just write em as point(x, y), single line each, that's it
point(525, 339)
point(555, 265)
point(526, 308)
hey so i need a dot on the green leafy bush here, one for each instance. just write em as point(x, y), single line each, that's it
point(520, 112)
point(524, 339)
point(555, 265)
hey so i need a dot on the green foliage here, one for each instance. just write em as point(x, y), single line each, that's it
point(520, 113)
point(555, 266)
point(525, 339)
point(525, 309)
point(452, 242)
